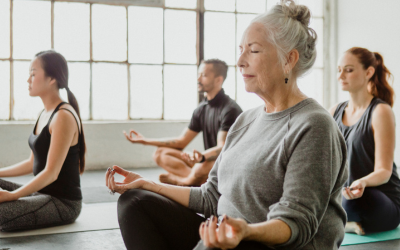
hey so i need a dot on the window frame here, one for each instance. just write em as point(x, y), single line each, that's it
point(199, 10)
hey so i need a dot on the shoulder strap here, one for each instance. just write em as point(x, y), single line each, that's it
point(80, 130)
point(55, 111)
point(37, 121)
point(339, 109)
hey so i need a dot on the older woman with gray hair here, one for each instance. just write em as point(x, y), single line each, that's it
point(278, 180)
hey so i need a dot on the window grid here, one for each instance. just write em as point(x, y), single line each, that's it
point(91, 60)
point(199, 11)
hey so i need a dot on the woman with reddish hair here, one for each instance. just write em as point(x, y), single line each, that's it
point(372, 192)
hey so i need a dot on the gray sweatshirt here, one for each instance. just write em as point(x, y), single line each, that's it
point(288, 165)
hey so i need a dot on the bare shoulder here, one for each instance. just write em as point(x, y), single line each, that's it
point(66, 118)
point(383, 113)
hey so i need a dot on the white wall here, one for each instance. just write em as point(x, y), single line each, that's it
point(373, 25)
point(106, 145)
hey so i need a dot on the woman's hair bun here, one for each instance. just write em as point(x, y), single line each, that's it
point(298, 12)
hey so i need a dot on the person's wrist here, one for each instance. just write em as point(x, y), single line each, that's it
point(203, 158)
point(15, 195)
point(150, 186)
point(363, 182)
point(248, 232)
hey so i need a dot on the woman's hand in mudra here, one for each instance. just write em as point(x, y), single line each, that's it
point(355, 191)
point(131, 180)
point(227, 235)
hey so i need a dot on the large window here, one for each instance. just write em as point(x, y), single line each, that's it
point(130, 62)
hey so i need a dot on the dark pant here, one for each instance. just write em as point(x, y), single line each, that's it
point(151, 221)
point(374, 210)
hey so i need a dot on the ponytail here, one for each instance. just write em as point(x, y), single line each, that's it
point(55, 66)
point(82, 144)
point(380, 86)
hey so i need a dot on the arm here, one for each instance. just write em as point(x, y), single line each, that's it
point(383, 127)
point(63, 128)
point(202, 200)
point(315, 174)
point(232, 231)
point(210, 154)
point(315, 170)
point(135, 181)
point(179, 143)
point(21, 168)
point(228, 119)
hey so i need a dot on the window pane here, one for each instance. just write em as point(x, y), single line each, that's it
point(4, 90)
point(315, 6)
point(4, 29)
point(79, 84)
point(180, 36)
point(222, 5)
point(146, 91)
point(180, 91)
point(219, 36)
point(187, 4)
point(271, 4)
point(229, 84)
point(245, 99)
point(145, 46)
point(110, 91)
point(31, 28)
point(72, 30)
point(318, 24)
point(251, 6)
point(109, 32)
point(25, 106)
point(243, 21)
point(312, 84)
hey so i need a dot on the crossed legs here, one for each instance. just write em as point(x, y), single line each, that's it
point(374, 212)
point(180, 172)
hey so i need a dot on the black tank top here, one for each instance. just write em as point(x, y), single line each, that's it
point(67, 185)
point(361, 149)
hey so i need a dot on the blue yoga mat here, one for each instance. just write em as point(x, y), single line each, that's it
point(354, 239)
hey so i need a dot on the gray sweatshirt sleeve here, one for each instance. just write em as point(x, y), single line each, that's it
point(314, 158)
point(204, 199)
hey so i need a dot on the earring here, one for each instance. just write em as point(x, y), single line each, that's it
point(286, 80)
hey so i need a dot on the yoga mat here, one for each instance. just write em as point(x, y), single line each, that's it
point(93, 217)
point(354, 239)
point(98, 194)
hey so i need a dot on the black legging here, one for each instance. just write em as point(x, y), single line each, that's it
point(151, 221)
point(374, 210)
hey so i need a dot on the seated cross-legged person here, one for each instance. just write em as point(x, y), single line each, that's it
point(214, 116)
point(53, 197)
point(278, 180)
point(372, 192)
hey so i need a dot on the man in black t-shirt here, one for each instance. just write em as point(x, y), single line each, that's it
point(214, 116)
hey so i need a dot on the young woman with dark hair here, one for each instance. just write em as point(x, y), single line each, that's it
point(53, 197)
point(372, 192)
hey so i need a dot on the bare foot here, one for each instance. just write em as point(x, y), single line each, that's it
point(354, 227)
point(168, 179)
